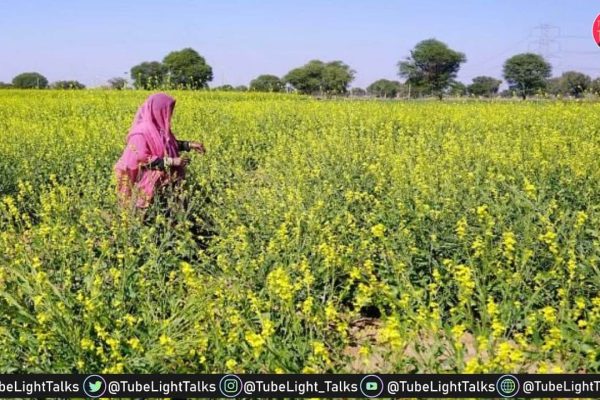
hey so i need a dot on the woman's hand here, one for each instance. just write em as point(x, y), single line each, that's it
point(197, 147)
point(179, 161)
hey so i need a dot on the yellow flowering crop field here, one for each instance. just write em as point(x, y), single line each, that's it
point(315, 236)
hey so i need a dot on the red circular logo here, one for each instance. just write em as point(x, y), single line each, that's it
point(596, 30)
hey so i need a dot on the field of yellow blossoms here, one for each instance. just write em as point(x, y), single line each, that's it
point(315, 236)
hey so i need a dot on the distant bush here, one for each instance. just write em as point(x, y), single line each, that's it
point(357, 91)
point(67, 85)
point(267, 83)
point(117, 83)
point(224, 88)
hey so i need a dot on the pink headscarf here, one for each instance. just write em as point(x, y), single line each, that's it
point(149, 138)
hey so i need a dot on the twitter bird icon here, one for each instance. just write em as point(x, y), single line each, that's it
point(94, 386)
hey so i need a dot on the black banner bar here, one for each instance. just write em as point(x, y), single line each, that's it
point(301, 386)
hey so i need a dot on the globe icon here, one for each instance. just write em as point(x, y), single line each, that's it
point(508, 386)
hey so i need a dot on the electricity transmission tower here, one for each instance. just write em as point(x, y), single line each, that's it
point(546, 41)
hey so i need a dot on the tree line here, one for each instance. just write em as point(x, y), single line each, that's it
point(429, 70)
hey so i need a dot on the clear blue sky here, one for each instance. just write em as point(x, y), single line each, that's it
point(92, 41)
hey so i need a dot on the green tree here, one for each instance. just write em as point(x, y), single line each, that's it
point(148, 75)
point(554, 86)
point(457, 88)
point(117, 83)
point(484, 86)
point(317, 77)
point(508, 94)
point(526, 73)
point(30, 80)
point(384, 88)
point(67, 85)
point(267, 83)
point(432, 66)
point(337, 77)
point(595, 86)
point(241, 88)
point(4, 85)
point(358, 92)
point(187, 69)
point(575, 83)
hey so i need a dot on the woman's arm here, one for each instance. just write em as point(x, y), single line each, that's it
point(162, 164)
point(189, 145)
point(158, 163)
point(139, 156)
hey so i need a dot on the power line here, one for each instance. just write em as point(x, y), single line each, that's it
point(582, 68)
point(511, 48)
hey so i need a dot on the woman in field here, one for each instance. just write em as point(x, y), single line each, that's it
point(151, 160)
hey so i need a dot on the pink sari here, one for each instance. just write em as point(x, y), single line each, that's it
point(149, 138)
